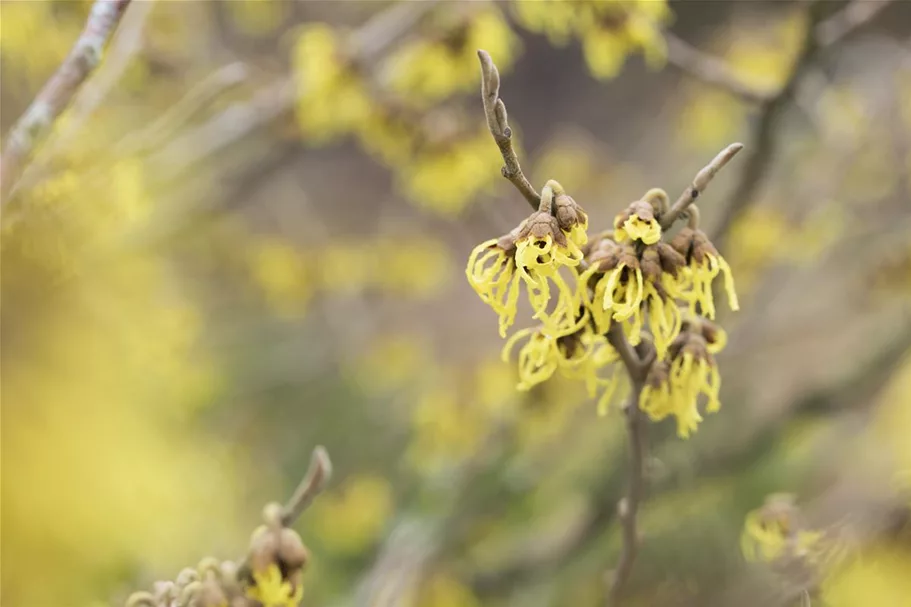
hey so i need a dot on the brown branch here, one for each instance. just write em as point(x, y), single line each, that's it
point(700, 183)
point(637, 362)
point(495, 110)
point(628, 507)
point(58, 92)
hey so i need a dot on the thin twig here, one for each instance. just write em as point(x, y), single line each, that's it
point(497, 122)
point(310, 486)
point(700, 183)
point(204, 93)
point(58, 92)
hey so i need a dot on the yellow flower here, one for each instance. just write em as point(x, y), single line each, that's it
point(491, 272)
point(535, 252)
point(271, 590)
point(281, 273)
point(428, 70)
point(638, 222)
point(704, 264)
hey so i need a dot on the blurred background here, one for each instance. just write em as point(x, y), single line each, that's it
point(247, 238)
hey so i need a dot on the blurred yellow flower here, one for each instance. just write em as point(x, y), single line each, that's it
point(332, 100)
point(282, 274)
point(430, 69)
point(447, 177)
point(443, 590)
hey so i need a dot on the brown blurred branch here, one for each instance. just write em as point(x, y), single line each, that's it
point(820, 35)
point(497, 122)
point(711, 70)
point(714, 71)
point(58, 92)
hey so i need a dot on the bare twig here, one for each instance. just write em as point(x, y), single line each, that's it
point(700, 183)
point(856, 14)
point(310, 486)
point(58, 92)
point(497, 122)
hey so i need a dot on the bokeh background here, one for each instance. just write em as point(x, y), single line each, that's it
point(247, 238)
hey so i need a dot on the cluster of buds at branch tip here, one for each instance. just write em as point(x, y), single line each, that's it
point(271, 573)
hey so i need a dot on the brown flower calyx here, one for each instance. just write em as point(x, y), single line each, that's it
point(658, 374)
point(640, 208)
point(692, 344)
point(704, 328)
point(507, 242)
point(538, 226)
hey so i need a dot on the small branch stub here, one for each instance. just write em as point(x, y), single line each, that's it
point(313, 483)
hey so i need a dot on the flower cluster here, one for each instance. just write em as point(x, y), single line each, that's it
point(609, 30)
point(655, 291)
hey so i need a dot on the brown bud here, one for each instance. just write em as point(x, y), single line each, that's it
point(264, 549)
point(210, 594)
point(568, 213)
point(650, 263)
point(291, 550)
point(710, 331)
